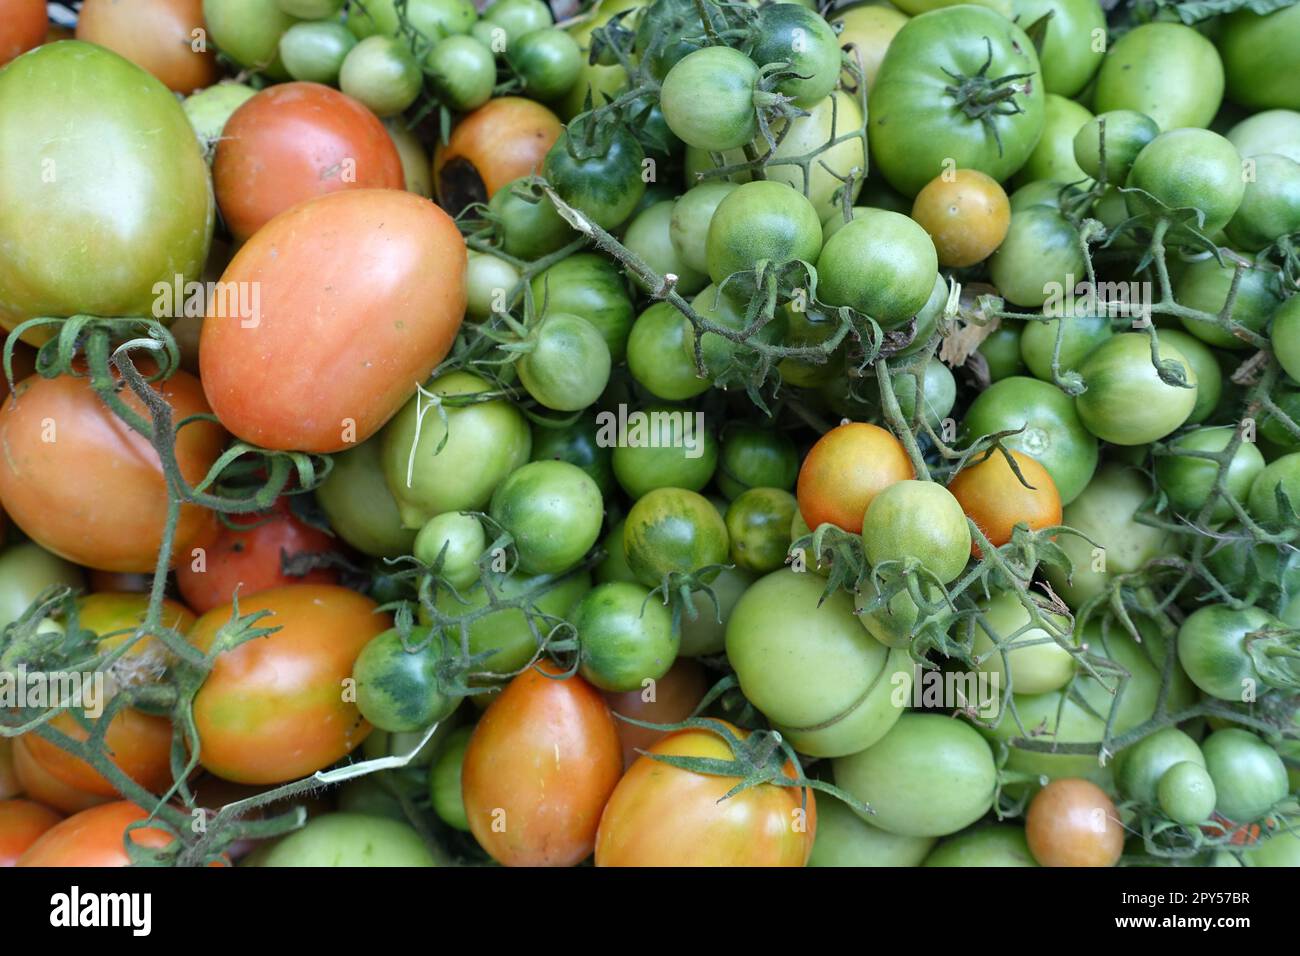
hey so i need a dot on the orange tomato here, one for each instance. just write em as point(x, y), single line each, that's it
point(1071, 822)
point(538, 769)
point(155, 35)
point(39, 784)
point(94, 837)
point(22, 27)
point(501, 141)
point(276, 708)
point(665, 816)
point(21, 824)
point(327, 362)
point(993, 497)
point(673, 698)
point(82, 484)
point(292, 142)
point(966, 213)
point(844, 472)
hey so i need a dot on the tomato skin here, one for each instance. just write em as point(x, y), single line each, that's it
point(432, 19)
point(1053, 157)
point(966, 215)
point(649, 235)
point(625, 639)
point(761, 220)
point(590, 286)
point(1259, 54)
point(37, 783)
point(994, 498)
point(271, 710)
point(382, 73)
point(156, 35)
point(553, 510)
point(673, 530)
point(882, 264)
point(548, 60)
point(24, 27)
point(675, 455)
point(656, 354)
point(1189, 481)
point(294, 141)
point(1168, 71)
point(1127, 403)
point(501, 141)
point(833, 485)
point(604, 185)
point(1186, 793)
point(308, 348)
point(793, 34)
point(1209, 376)
point(660, 815)
point(1270, 205)
point(359, 506)
point(1248, 775)
point(671, 698)
point(1127, 133)
point(547, 755)
point(996, 844)
point(845, 839)
point(916, 124)
point(21, 824)
point(95, 837)
point(1083, 333)
point(100, 466)
point(1072, 822)
point(1035, 668)
point(758, 524)
point(109, 129)
point(1189, 168)
point(1205, 284)
point(314, 51)
point(568, 366)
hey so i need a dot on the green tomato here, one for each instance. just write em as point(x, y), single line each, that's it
point(625, 637)
point(688, 229)
point(519, 17)
point(1053, 157)
point(657, 354)
point(1139, 769)
point(1272, 131)
point(488, 282)
point(995, 844)
point(1209, 376)
point(1001, 351)
point(845, 839)
point(1249, 777)
point(359, 506)
point(381, 73)
point(314, 52)
point(796, 36)
point(921, 521)
point(591, 286)
point(1282, 475)
point(761, 221)
point(1071, 53)
point(462, 72)
point(1127, 403)
point(1037, 663)
point(882, 264)
point(930, 775)
point(756, 457)
point(1127, 133)
point(891, 624)
point(708, 99)
point(1260, 58)
point(1188, 169)
point(1082, 334)
point(1286, 336)
point(673, 531)
point(1204, 285)
point(614, 566)
point(553, 510)
point(579, 444)
point(548, 62)
point(433, 466)
point(26, 570)
point(938, 392)
point(350, 839)
point(810, 667)
point(1186, 793)
point(1280, 849)
point(720, 354)
point(444, 779)
point(1189, 481)
point(758, 524)
point(1039, 258)
point(666, 447)
point(209, 109)
point(397, 689)
point(1166, 70)
point(649, 236)
point(706, 633)
point(567, 367)
point(1213, 650)
point(604, 184)
point(1270, 205)
point(458, 539)
point(430, 19)
point(529, 228)
point(249, 31)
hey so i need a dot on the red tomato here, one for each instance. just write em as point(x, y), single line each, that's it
point(501, 141)
point(329, 361)
point(21, 824)
point(94, 837)
point(249, 559)
point(82, 484)
point(22, 27)
point(39, 784)
point(994, 498)
point(155, 35)
point(672, 699)
point(663, 816)
point(845, 470)
point(294, 141)
point(276, 708)
point(539, 768)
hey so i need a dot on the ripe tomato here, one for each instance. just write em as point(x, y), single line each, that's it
point(667, 700)
point(294, 141)
point(37, 783)
point(156, 35)
point(660, 815)
point(276, 709)
point(249, 559)
point(845, 470)
point(21, 824)
point(539, 768)
point(352, 349)
point(501, 141)
point(996, 500)
point(22, 27)
point(1072, 822)
point(96, 495)
point(967, 216)
point(95, 837)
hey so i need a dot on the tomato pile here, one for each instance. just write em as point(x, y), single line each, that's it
point(693, 432)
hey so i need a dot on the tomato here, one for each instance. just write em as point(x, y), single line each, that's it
point(761, 221)
point(271, 709)
point(1272, 131)
point(660, 815)
point(527, 223)
point(209, 109)
point(917, 125)
point(157, 35)
point(649, 236)
point(1083, 333)
point(930, 775)
point(1214, 651)
point(845, 839)
point(1280, 849)
point(1204, 285)
point(314, 51)
point(9, 785)
point(25, 23)
point(567, 367)
point(625, 637)
point(728, 309)
point(507, 631)
point(670, 447)
point(249, 31)
point(1040, 257)
point(462, 71)
point(107, 129)
point(723, 119)
point(1209, 376)
point(1053, 157)
point(758, 525)
point(657, 354)
point(1249, 777)
point(756, 457)
point(920, 521)
point(601, 178)
point(445, 776)
point(381, 73)
point(1270, 205)
point(548, 62)
point(995, 844)
point(1286, 336)
point(25, 571)
point(22, 823)
point(95, 837)
point(1127, 403)
point(397, 688)
point(490, 280)
point(1036, 662)
point(518, 17)
point(673, 531)
point(666, 700)
point(1258, 51)
point(100, 466)
point(1070, 54)
point(591, 286)
point(37, 783)
point(360, 508)
point(1189, 168)
point(882, 264)
point(578, 444)
point(503, 140)
point(996, 500)
point(1186, 793)
point(796, 36)
point(866, 32)
point(540, 766)
point(430, 19)
point(411, 310)
point(966, 215)
point(847, 468)
point(811, 668)
point(1072, 822)
point(1127, 132)
point(553, 511)
point(1189, 481)
point(454, 542)
point(350, 839)
point(1282, 474)
point(1168, 71)
point(1138, 769)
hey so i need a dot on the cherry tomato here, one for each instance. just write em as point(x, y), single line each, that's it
point(996, 500)
point(918, 520)
point(673, 531)
point(501, 141)
point(882, 263)
point(1072, 822)
point(21, 824)
point(95, 837)
point(1126, 402)
point(553, 510)
point(667, 700)
point(966, 214)
point(625, 636)
point(847, 468)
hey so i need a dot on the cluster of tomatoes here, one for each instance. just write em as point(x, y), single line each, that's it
point(723, 433)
